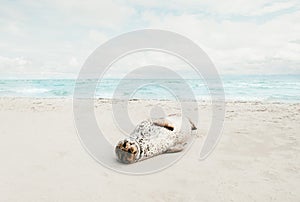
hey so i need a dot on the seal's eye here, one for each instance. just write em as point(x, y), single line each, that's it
point(124, 144)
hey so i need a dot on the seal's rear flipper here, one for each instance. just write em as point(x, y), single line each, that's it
point(193, 127)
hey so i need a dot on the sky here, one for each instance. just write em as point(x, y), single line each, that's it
point(53, 38)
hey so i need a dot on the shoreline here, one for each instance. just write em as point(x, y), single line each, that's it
point(154, 100)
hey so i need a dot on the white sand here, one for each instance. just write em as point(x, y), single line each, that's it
point(257, 158)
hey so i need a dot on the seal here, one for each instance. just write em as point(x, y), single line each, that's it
point(153, 137)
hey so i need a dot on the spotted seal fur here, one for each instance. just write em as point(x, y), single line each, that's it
point(154, 137)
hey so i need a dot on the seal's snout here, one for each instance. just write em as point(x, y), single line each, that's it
point(126, 151)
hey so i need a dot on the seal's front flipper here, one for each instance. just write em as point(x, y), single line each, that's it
point(176, 148)
point(164, 123)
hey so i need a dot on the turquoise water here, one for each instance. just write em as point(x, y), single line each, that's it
point(282, 88)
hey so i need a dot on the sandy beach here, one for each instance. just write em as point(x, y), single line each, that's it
point(257, 158)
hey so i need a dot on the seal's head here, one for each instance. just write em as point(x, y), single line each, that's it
point(127, 151)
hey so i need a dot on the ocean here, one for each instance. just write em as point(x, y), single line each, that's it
point(273, 88)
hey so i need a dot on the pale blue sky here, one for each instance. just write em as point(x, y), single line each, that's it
point(53, 38)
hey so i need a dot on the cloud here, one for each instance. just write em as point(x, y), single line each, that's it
point(18, 63)
point(275, 7)
point(215, 7)
point(241, 37)
point(108, 14)
point(73, 62)
point(240, 46)
point(98, 36)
